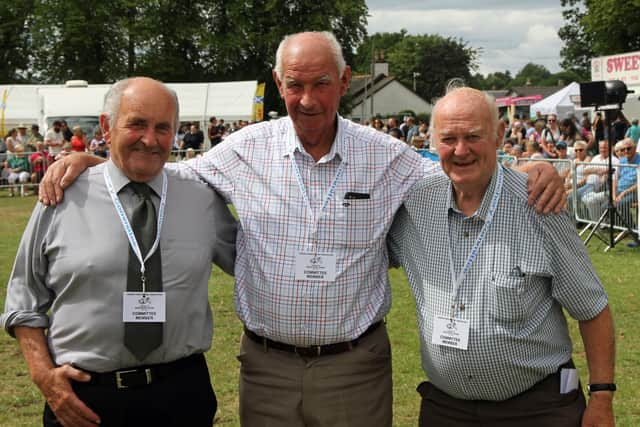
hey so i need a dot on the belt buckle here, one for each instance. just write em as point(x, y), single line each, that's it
point(308, 351)
point(119, 378)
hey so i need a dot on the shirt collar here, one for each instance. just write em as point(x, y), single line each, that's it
point(120, 180)
point(486, 199)
point(338, 148)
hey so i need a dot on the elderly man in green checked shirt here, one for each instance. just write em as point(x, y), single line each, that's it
point(494, 340)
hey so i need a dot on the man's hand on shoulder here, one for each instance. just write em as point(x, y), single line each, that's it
point(61, 175)
point(545, 186)
point(55, 385)
point(599, 412)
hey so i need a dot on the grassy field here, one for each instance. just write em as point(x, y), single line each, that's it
point(21, 402)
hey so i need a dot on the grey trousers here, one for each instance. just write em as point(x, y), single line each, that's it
point(541, 405)
point(351, 389)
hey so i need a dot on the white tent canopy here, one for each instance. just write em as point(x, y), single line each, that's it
point(558, 103)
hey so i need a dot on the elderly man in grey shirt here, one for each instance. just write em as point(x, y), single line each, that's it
point(126, 313)
point(495, 343)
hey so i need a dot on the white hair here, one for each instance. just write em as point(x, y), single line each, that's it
point(111, 106)
point(489, 101)
point(334, 47)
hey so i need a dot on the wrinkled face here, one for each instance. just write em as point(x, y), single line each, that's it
point(465, 139)
point(311, 87)
point(142, 136)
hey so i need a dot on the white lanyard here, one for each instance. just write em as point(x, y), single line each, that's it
point(458, 279)
point(127, 226)
point(305, 197)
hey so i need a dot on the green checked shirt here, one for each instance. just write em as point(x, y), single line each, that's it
point(528, 268)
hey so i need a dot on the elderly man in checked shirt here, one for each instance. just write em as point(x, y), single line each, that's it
point(495, 344)
point(316, 195)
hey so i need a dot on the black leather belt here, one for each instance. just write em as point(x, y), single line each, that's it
point(143, 375)
point(311, 351)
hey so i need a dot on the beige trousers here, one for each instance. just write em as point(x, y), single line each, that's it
point(351, 389)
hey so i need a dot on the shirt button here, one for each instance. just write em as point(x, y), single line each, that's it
point(466, 234)
point(461, 307)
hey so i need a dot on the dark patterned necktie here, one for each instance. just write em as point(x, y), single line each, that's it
point(142, 338)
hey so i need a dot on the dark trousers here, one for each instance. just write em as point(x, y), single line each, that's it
point(185, 398)
point(541, 405)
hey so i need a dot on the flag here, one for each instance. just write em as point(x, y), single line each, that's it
point(258, 103)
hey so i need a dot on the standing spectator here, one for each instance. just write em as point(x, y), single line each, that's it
point(35, 135)
point(393, 129)
point(569, 133)
point(411, 129)
point(67, 134)
point(634, 131)
point(54, 138)
point(551, 132)
point(22, 136)
point(19, 168)
point(598, 127)
point(78, 140)
point(620, 126)
point(214, 132)
point(193, 139)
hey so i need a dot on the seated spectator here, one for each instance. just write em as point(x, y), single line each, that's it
point(533, 151)
point(78, 140)
point(18, 168)
point(97, 139)
point(66, 150)
point(101, 150)
point(582, 157)
point(563, 165)
point(624, 184)
point(516, 151)
point(40, 161)
point(193, 139)
point(594, 192)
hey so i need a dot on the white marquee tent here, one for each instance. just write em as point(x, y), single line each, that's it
point(559, 103)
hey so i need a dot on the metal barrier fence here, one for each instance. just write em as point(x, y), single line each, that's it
point(588, 194)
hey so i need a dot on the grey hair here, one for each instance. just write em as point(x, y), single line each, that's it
point(455, 87)
point(334, 47)
point(112, 99)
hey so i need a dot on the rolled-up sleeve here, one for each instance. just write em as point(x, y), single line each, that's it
point(28, 298)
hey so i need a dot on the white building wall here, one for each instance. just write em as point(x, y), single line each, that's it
point(389, 100)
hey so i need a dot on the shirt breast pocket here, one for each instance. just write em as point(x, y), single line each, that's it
point(357, 223)
point(507, 306)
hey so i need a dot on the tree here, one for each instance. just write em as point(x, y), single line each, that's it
point(14, 38)
point(493, 81)
point(597, 28)
point(532, 74)
point(437, 60)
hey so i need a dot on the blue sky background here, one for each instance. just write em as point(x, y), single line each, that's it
point(509, 33)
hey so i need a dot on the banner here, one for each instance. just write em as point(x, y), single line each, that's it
point(258, 104)
point(3, 131)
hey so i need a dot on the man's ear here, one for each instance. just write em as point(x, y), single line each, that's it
point(106, 129)
point(278, 83)
point(345, 80)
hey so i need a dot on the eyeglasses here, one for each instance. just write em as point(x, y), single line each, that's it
point(578, 150)
point(551, 120)
point(626, 149)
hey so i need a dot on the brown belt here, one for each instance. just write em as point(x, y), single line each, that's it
point(314, 350)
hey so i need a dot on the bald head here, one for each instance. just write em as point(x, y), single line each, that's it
point(313, 42)
point(466, 98)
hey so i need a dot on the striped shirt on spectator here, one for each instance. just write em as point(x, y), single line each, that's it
point(253, 170)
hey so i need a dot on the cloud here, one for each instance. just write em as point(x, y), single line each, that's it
point(507, 36)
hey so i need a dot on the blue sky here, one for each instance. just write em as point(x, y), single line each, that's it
point(509, 33)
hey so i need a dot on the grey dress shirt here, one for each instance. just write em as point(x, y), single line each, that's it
point(528, 268)
point(71, 270)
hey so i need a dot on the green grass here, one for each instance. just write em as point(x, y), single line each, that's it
point(21, 403)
